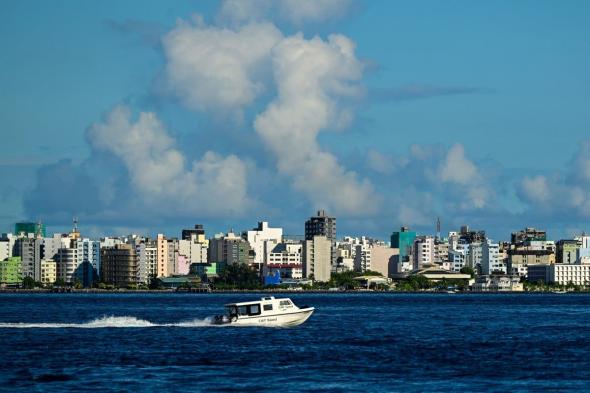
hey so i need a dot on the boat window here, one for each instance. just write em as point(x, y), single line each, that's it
point(243, 310)
point(268, 307)
point(285, 303)
point(254, 309)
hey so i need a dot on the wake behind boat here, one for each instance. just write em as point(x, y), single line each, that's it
point(267, 311)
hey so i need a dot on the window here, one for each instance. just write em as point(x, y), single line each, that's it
point(254, 309)
point(267, 307)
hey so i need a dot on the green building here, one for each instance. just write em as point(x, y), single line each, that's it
point(566, 251)
point(11, 272)
point(207, 270)
point(404, 241)
point(31, 228)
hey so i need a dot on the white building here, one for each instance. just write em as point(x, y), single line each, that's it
point(344, 258)
point(263, 240)
point(147, 254)
point(287, 259)
point(458, 256)
point(423, 251)
point(584, 250)
point(561, 273)
point(362, 257)
point(441, 252)
point(89, 253)
point(7, 245)
point(193, 251)
point(497, 284)
point(77, 260)
point(491, 259)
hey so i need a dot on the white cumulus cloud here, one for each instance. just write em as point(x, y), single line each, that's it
point(161, 174)
point(312, 76)
point(456, 168)
point(212, 68)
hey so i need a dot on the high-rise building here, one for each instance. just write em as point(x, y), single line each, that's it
point(362, 256)
point(29, 250)
point(197, 234)
point(230, 249)
point(263, 239)
point(404, 242)
point(147, 254)
point(11, 272)
point(383, 259)
point(566, 251)
point(29, 229)
point(48, 271)
point(77, 260)
point(285, 258)
point(423, 253)
point(7, 242)
point(322, 225)
point(527, 235)
point(162, 256)
point(120, 265)
point(317, 258)
point(492, 261)
point(529, 247)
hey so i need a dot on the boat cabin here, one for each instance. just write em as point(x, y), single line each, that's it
point(265, 306)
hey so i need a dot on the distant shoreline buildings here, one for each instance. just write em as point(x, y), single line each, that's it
point(29, 256)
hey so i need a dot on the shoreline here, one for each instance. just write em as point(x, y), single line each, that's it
point(270, 292)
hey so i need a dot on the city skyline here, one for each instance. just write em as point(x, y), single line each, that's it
point(150, 118)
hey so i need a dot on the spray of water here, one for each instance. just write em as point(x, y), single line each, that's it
point(109, 322)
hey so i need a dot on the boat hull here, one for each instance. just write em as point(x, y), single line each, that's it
point(291, 319)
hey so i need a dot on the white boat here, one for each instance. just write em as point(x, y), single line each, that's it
point(267, 311)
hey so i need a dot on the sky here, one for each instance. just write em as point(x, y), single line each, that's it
point(150, 116)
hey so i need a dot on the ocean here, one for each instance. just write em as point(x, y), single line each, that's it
point(370, 342)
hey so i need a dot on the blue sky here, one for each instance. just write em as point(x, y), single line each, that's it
point(475, 112)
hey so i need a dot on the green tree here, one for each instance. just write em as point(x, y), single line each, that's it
point(29, 283)
point(468, 270)
point(155, 283)
point(59, 283)
point(238, 276)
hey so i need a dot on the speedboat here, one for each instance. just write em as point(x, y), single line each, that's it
point(267, 311)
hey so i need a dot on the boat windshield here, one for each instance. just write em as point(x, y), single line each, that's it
point(232, 311)
point(250, 309)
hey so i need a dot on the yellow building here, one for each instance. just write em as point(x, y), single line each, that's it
point(48, 271)
point(162, 256)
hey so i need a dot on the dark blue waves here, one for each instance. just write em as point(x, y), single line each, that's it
point(359, 342)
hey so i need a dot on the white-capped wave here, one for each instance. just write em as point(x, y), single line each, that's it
point(107, 322)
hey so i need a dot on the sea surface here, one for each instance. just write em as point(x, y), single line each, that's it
point(363, 342)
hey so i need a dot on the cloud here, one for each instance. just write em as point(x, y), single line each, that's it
point(456, 168)
point(63, 189)
point(380, 162)
point(216, 69)
point(297, 12)
point(430, 181)
point(535, 189)
point(422, 91)
point(161, 173)
point(561, 195)
point(137, 174)
point(313, 78)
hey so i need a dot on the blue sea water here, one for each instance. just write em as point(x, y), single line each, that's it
point(354, 342)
